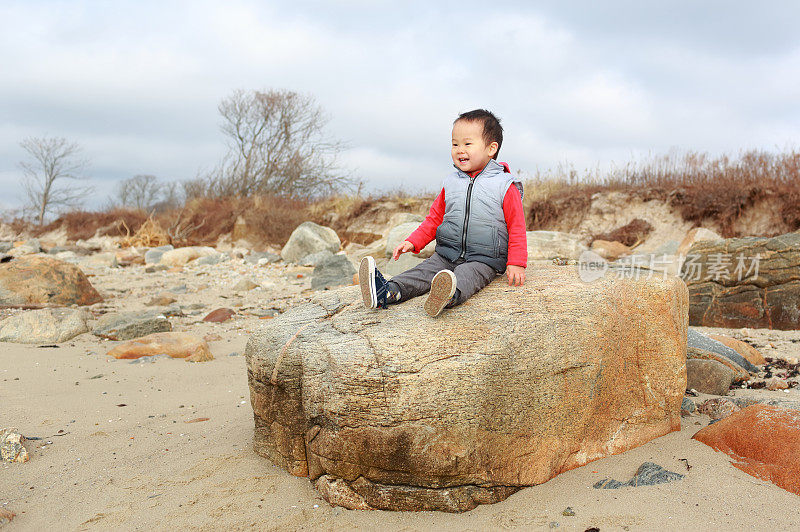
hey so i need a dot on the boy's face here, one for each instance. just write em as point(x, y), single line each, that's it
point(469, 150)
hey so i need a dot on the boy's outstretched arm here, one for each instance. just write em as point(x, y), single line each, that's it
point(426, 232)
point(517, 237)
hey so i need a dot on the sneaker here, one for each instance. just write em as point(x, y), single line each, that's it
point(443, 286)
point(373, 286)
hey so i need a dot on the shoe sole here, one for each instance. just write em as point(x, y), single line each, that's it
point(443, 286)
point(366, 279)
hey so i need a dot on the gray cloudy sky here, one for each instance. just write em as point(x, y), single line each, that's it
point(137, 83)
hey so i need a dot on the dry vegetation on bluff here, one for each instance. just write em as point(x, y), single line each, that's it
point(757, 193)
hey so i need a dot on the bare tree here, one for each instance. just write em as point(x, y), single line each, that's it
point(140, 192)
point(53, 161)
point(277, 144)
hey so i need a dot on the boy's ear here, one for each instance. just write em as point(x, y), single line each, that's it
point(493, 147)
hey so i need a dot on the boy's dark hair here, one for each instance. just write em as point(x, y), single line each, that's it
point(492, 130)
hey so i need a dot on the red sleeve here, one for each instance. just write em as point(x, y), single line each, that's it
point(515, 221)
point(426, 232)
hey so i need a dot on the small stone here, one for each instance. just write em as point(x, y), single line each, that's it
point(161, 300)
point(244, 285)
point(179, 289)
point(648, 474)
point(173, 344)
point(776, 383)
point(154, 268)
point(568, 512)
point(11, 448)
point(219, 315)
point(688, 407)
point(717, 408)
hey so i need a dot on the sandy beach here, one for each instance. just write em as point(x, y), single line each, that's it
point(163, 443)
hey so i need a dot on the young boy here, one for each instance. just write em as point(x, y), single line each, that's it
point(477, 220)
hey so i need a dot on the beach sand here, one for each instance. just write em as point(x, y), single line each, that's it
point(118, 450)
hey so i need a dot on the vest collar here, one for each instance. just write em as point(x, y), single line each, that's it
point(491, 168)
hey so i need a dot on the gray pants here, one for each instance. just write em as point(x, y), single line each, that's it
point(470, 277)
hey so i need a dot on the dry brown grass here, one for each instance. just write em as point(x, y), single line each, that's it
point(81, 225)
point(700, 187)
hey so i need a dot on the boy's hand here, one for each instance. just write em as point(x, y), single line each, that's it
point(516, 275)
point(403, 247)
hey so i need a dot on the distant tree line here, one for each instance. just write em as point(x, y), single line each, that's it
point(277, 144)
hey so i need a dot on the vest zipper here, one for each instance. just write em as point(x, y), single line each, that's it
point(466, 218)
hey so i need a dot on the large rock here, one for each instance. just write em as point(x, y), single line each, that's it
point(153, 256)
point(392, 409)
point(726, 290)
point(334, 271)
point(130, 325)
point(183, 256)
point(708, 376)
point(748, 352)
point(44, 326)
point(310, 238)
point(706, 347)
point(173, 344)
point(764, 441)
point(547, 245)
point(399, 233)
point(43, 280)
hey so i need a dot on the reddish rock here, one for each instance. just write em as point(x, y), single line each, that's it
point(776, 383)
point(219, 315)
point(174, 344)
point(43, 280)
point(763, 440)
point(750, 353)
point(609, 250)
point(727, 290)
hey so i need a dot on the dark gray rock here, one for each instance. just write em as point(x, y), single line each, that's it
point(709, 376)
point(687, 405)
point(315, 259)
point(130, 325)
point(698, 340)
point(648, 474)
point(153, 256)
point(211, 260)
point(336, 270)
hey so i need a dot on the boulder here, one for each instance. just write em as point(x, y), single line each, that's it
point(315, 259)
point(101, 260)
point(11, 447)
point(404, 262)
point(762, 440)
point(310, 238)
point(745, 282)
point(27, 247)
point(747, 351)
point(704, 347)
point(173, 344)
point(129, 325)
point(153, 256)
point(43, 280)
point(336, 270)
point(708, 376)
point(399, 233)
point(698, 234)
point(44, 326)
point(548, 245)
point(183, 256)
point(392, 409)
point(610, 250)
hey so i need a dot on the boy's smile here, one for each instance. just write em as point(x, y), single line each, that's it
point(469, 151)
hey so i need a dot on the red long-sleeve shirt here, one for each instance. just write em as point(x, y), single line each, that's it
point(512, 212)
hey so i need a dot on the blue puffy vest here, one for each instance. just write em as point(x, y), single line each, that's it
point(474, 227)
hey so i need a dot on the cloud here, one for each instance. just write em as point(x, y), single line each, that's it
point(590, 83)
